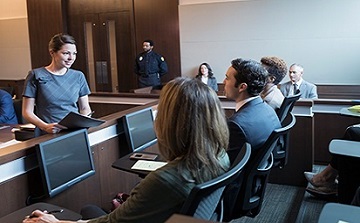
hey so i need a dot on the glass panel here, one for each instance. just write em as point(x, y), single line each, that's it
point(89, 51)
point(112, 52)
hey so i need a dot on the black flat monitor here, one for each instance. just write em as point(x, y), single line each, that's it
point(65, 161)
point(139, 129)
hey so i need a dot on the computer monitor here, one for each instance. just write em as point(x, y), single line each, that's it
point(139, 129)
point(65, 161)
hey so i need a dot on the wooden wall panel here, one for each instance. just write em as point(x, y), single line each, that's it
point(102, 110)
point(98, 13)
point(17, 85)
point(45, 19)
point(339, 91)
point(326, 128)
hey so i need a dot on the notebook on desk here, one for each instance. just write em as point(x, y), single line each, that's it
point(148, 165)
point(74, 120)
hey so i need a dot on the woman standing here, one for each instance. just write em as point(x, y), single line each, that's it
point(55, 89)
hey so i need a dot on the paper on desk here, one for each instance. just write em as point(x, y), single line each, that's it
point(28, 126)
point(9, 143)
point(147, 165)
point(355, 108)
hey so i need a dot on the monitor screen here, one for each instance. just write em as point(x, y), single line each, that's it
point(65, 161)
point(139, 129)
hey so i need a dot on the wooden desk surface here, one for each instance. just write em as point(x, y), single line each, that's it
point(5, 133)
point(125, 164)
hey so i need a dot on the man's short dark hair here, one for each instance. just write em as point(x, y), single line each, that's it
point(149, 41)
point(250, 72)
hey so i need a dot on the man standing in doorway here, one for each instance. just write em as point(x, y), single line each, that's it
point(150, 66)
point(297, 83)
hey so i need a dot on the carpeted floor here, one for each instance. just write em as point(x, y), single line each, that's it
point(281, 205)
point(288, 204)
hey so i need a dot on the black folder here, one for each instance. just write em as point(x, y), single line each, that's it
point(74, 120)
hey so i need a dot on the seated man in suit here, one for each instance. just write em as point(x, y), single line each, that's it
point(307, 90)
point(254, 120)
point(7, 112)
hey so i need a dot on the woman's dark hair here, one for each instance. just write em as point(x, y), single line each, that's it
point(209, 69)
point(250, 72)
point(59, 40)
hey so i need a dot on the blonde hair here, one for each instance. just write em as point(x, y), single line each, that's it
point(191, 127)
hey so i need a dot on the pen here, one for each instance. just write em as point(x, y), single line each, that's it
point(91, 113)
point(55, 211)
point(49, 212)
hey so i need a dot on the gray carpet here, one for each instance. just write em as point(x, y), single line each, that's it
point(281, 205)
point(288, 204)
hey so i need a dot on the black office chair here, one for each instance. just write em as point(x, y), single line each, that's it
point(250, 196)
point(205, 200)
point(281, 150)
point(287, 106)
point(9, 89)
point(18, 111)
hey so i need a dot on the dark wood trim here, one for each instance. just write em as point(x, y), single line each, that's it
point(327, 91)
point(339, 91)
point(17, 85)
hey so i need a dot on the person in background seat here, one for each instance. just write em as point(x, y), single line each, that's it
point(307, 90)
point(7, 112)
point(194, 146)
point(277, 70)
point(206, 75)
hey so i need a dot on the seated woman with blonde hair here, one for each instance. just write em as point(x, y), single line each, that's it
point(194, 146)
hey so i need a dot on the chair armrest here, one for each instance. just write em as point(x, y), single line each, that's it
point(345, 147)
point(267, 165)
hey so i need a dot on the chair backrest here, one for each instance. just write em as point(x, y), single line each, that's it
point(18, 111)
point(281, 150)
point(204, 198)
point(8, 89)
point(250, 196)
point(287, 106)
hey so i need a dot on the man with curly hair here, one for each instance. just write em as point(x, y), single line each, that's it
point(277, 70)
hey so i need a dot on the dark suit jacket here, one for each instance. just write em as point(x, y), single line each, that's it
point(7, 112)
point(252, 123)
point(307, 90)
